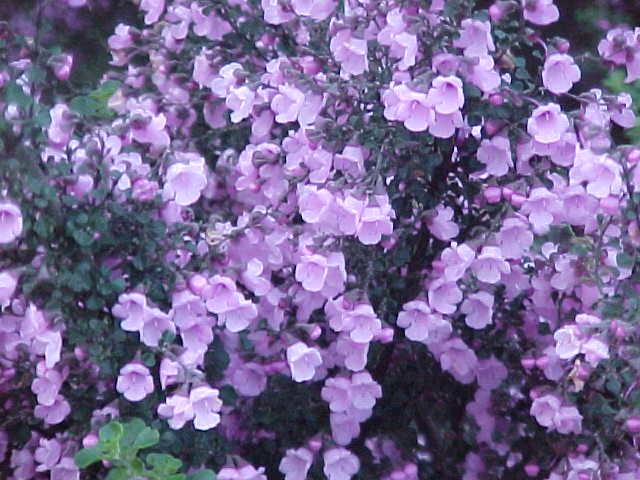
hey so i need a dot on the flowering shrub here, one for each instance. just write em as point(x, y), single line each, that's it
point(318, 239)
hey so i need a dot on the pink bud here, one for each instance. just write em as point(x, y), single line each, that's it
point(507, 193)
point(517, 200)
point(411, 469)
point(562, 45)
point(79, 353)
point(531, 469)
point(493, 194)
point(385, 335)
point(496, 12)
point(491, 127)
point(315, 445)
point(633, 424)
point(396, 475)
point(89, 440)
point(620, 333)
point(496, 99)
point(582, 448)
point(528, 363)
point(634, 156)
point(196, 283)
point(542, 361)
point(315, 332)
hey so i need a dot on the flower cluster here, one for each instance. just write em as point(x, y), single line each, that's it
point(321, 239)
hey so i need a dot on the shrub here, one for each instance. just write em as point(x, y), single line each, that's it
point(317, 239)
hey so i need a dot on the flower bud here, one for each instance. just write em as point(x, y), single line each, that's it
point(633, 424)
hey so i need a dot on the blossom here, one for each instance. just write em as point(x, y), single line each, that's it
point(568, 420)
point(514, 237)
point(568, 341)
point(316, 9)
point(47, 454)
point(364, 391)
point(560, 73)
point(153, 9)
point(240, 101)
point(540, 12)
point(475, 38)
point(149, 128)
point(61, 126)
point(311, 272)
point(10, 222)
point(296, 463)
point(206, 404)
point(47, 384)
point(55, 413)
point(340, 464)
point(408, 106)
point(444, 296)
point(478, 308)
point(496, 155)
point(303, 361)
point(350, 52)
point(8, 284)
point(545, 408)
point(547, 123)
point(421, 324)
point(445, 94)
point(490, 265)
point(441, 225)
point(178, 409)
point(274, 13)
point(186, 179)
point(456, 259)
point(403, 45)
point(134, 382)
point(375, 221)
point(459, 360)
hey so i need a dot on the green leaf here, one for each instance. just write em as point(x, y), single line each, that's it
point(138, 436)
point(111, 433)
point(624, 260)
point(163, 463)
point(203, 475)
point(13, 93)
point(88, 456)
point(119, 473)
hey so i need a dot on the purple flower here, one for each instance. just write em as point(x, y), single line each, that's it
point(153, 9)
point(303, 361)
point(547, 123)
point(177, 408)
point(475, 38)
point(65, 470)
point(350, 52)
point(490, 265)
point(10, 222)
point(46, 385)
point(560, 73)
point(459, 360)
point(8, 284)
point(316, 9)
point(444, 296)
point(134, 382)
point(240, 101)
point(545, 408)
point(568, 420)
point(205, 404)
point(540, 12)
point(478, 310)
point(47, 454)
point(296, 463)
point(340, 464)
point(408, 106)
point(186, 179)
point(496, 155)
point(445, 95)
point(54, 413)
point(421, 324)
point(456, 259)
point(441, 224)
point(275, 13)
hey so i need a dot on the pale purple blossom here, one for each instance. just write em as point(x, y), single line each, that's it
point(134, 382)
